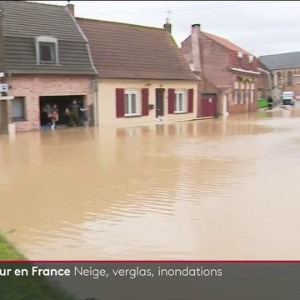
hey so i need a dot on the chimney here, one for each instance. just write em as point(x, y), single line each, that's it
point(168, 26)
point(71, 8)
point(195, 40)
point(196, 27)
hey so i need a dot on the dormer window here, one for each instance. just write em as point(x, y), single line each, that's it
point(250, 58)
point(46, 50)
point(240, 57)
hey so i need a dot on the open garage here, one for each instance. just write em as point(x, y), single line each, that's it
point(63, 103)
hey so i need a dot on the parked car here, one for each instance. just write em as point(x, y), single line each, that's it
point(288, 98)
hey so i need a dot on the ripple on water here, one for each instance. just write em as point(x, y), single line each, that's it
point(198, 190)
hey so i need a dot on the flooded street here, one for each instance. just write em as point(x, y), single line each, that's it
point(210, 189)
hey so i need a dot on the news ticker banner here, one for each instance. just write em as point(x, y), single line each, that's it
point(157, 280)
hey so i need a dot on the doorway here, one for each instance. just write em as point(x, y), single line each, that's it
point(208, 104)
point(62, 102)
point(159, 103)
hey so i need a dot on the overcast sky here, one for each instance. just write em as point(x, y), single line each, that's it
point(261, 27)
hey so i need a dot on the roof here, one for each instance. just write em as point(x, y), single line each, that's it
point(30, 19)
point(232, 50)
point(122, 50)
point(281, 61)
point(22, 21)
point(226, 43)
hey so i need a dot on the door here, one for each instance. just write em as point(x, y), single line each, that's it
point(159, 103)
point(208, 105)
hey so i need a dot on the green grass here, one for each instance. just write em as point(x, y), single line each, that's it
point(8, 252)
point(24, 288)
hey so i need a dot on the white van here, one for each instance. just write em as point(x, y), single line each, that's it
point(288, 98)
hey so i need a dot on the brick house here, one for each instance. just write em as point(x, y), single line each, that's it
point(45, 59)
point(285, 70)
point(232, 70)
point(142, 74)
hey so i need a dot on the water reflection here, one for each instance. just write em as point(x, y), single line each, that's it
point(192, 190)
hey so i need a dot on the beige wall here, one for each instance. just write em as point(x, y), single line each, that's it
point(107, 100)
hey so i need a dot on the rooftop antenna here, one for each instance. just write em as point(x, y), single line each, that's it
point(168, 17)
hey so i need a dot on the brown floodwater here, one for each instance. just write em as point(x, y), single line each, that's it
point(210, 189)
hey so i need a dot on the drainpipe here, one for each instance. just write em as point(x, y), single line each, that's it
point(96, 78)
point(96, 97)
point(270, 80)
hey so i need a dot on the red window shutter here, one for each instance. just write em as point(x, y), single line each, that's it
point(171, 101)
point(190, 100)
point(120, 103)
point(145, 102)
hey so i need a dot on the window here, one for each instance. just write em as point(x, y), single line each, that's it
point(279, 82)
point(242, 94)
point(132, 103)
point(289, 78)
point(246, 96)
point(46, 50)
point(18, 109)
point(47, 53)
point(236, 96)
point(180, 105)
point(252, 96)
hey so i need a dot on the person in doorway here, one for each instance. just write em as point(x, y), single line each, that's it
point(83, 115)
point(270, 103)
point(45, 116)
point(74, 113)
point(54, 116)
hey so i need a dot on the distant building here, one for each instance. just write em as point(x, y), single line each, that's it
point(234, 71)
point(285, 69)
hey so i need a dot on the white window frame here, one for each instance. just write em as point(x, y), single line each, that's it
point(183, 98)
point(251, 96)
point(242, 96)
point(48, 40)
point(237, 96)
point(138, 103)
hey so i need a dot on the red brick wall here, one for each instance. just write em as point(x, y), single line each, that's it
point(186, 48)
point(34, 86)
point(234, 108)
point(215, 67)
point(241, 108)
point(215, 62)
point(263, 85)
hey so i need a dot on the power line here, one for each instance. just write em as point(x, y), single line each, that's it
point(176, 9)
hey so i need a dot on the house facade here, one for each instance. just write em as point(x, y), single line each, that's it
point(232, 70)
point(45, 59)
point(142, 74)
point(285, 70)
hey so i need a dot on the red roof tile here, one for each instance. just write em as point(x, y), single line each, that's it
point(130, 51)
point(227, 44)
point(232, 54)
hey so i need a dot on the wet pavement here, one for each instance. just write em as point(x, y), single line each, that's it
point(209, 189)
